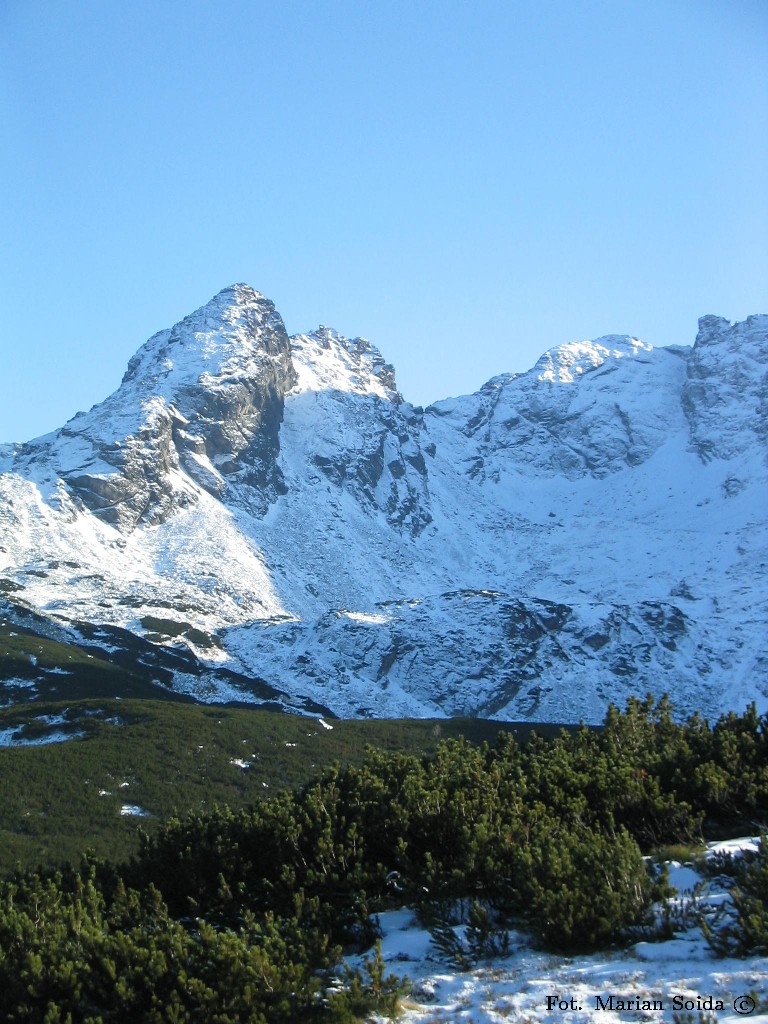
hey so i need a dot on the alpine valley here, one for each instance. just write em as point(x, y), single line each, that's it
point(259, 518)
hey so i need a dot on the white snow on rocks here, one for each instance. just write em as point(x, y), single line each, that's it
point(563, 538)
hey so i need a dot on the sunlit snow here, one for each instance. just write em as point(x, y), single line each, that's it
point(518, 987)
point(589, 530)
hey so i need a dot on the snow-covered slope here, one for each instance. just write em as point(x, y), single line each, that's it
point(676, 979)
point(565, 537)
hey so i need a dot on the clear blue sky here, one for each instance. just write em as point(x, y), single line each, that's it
point(466, 184)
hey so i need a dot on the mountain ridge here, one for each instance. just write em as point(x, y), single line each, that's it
point(278, 498)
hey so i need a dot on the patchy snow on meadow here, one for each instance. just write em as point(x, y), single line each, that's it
point(14, 737)
point(647, 981)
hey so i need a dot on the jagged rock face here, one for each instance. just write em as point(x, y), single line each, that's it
point(273, 509)
point(353, 430)
point(589, 408)
point(495, 655)
point(128, 481)
point(200, 403)
point(725, 396)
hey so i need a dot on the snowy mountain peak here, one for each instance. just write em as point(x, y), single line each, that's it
point(725, 396)
point(200, 406)
point(228, 338)
point(711, 328)
point(327, 361)
point(565, 363)
point(269, 507)
point(749, 333)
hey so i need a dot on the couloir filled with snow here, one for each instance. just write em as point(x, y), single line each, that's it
point(563, 538)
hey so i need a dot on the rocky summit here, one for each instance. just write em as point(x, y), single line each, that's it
point(262, 518)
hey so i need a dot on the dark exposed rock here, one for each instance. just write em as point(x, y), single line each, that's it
point(206, 397)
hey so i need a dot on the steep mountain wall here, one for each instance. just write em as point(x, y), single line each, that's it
point(592, 528)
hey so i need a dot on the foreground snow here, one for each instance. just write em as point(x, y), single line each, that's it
point(645, 982)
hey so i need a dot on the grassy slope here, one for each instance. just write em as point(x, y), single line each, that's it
point(40, 667)
point(174, 756)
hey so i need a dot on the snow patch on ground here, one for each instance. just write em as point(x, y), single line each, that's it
point(517, 987)
point(13, 738)
point(133, 811)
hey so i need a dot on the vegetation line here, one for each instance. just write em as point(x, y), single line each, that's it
point(243, 915)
